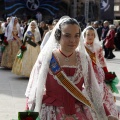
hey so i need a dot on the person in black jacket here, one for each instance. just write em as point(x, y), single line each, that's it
point(97, 26)
point(105, 30)
point(117, 38)
point(42, 27)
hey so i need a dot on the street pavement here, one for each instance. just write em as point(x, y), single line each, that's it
point(12, 90)
point(12, 98)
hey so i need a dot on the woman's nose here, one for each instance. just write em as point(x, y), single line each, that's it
point(72, 39)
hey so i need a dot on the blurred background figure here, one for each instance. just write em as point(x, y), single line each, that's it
point(109, 42)
point(117, 38)
point(12, 40)
point(0, 51)
point(39, 17)
point(42, 27)
point(47, 35)
point(105, 30)
point(98, 28)
point(1, 32)
point(23, 64)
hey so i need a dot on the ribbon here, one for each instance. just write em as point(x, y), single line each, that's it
point(20, 55)
point(113, 84)
point(3, 48)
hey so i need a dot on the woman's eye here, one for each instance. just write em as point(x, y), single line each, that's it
point(67, 35)
point(77, 36)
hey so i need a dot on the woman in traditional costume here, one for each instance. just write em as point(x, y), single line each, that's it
point(12, 43)
point(62, 84)
point(29, 51)
point(95, 51)
point(93, 48)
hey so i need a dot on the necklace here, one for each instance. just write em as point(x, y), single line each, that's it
point(66, 57)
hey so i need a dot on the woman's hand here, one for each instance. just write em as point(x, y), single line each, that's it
point(112, 118)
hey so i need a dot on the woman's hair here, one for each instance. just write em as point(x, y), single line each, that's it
point(89, 28)
point(34, 22)
point(111, 26)
point(66, 22)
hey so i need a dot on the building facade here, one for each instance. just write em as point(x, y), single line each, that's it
point(83, 10)
point(96, 9)
point(21, 8)
point(117, 9)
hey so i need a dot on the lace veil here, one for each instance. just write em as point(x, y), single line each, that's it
point(36, 33)
point(96, 46)
point(96, 40)
point(35, 88)
point(9, 29)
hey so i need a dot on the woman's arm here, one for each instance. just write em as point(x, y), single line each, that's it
point(101, 59)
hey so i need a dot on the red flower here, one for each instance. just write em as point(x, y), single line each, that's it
point(23, 48)
point(28, 118)
point(109, 76)
point(5, 42)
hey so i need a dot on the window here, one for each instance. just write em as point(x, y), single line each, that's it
point(116, 8)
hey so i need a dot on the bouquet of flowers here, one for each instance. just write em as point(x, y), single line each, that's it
point(23, 49)
point(28, 115)
point(112, 80)
point(5, 42)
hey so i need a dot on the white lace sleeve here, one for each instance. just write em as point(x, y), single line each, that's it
point(101, 58)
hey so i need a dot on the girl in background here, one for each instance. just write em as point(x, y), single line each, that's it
point(23, 65)
point(95, 51)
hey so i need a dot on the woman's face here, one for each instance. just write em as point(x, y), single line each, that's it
point(42, 24)
point(89, 36)
point(15, 21)
point(70, 36)
point(33, 26)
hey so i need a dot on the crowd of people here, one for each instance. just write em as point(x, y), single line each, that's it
point(109, 34)
point(66, 66)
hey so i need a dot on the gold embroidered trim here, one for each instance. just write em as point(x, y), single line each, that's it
point(92, 55)
point(78, 95)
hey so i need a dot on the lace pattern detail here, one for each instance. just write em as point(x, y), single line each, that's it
point(90, 47)
point(100, 57)
point(58, 113)
point(109, 101)
point(75, 79)
point(95, 95)
point(99, 73)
